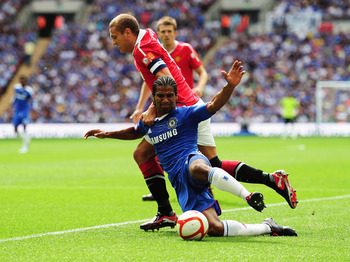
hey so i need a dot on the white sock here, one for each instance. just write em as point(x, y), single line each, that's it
point(25, 139)
point(234, 228)
point(225, 182)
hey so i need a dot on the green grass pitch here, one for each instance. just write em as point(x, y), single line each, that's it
point(77, 200)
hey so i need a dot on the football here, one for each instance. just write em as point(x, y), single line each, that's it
point(192, 225)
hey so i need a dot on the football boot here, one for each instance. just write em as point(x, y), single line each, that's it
point(159, 221)
point(280, 183)
point(278, 230)
point(256, 201)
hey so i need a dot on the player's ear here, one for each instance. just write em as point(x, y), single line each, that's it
point(127, 31)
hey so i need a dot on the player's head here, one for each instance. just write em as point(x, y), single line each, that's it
point(167, 30)
point(167, 20)
point(164, 92)
point(123, 30)
point(23, 80)
point(164, 81)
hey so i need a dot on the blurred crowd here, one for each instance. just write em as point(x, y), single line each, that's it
point(330, 9)
point(276, 65)
point(189, 15)
point(83, 79)
point(13, 36)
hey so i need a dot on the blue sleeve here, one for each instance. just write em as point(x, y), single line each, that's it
point(200, 112)
point(141, 128)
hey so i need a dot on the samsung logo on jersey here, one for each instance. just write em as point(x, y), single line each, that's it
point(164, 136)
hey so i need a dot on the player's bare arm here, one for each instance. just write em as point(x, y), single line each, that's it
point(124, 134)
point(233, 78)
point(144, 96)
point(202, 80)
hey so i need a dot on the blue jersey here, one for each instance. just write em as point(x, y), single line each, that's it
point(174, 136)
point(22, 104)
point(22, 97)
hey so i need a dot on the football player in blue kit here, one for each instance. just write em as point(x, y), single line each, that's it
point(174, 136)
point(22, 105)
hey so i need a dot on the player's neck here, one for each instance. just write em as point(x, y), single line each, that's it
point(161, 113)
point(170, 47)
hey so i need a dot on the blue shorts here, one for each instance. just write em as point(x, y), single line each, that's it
point(192, 195)
point(20, 118)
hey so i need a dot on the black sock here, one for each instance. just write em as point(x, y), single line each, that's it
point(157, 186)
point(251, 175)
point(215, 162)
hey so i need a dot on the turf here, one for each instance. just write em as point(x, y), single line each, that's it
point(77, 200)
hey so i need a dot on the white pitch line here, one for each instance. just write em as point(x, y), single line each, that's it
point(73, 230)
point(285, 203)
point(144, 220)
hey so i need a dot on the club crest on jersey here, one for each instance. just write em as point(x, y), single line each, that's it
point(148, 58)
point(145, 61)
point(172, 122)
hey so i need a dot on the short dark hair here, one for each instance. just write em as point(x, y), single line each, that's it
point(164, 81)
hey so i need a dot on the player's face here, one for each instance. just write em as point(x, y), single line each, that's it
point(23, 81)
point(164, 100)
point(167, 34)
point(121, 40)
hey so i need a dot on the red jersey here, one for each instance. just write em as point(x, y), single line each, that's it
point(187, 59)
point(150, 57)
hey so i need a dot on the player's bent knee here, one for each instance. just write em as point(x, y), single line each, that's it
point(141, 156)
point(199, 170)
point(143, 153)
point(199, 166)
point(137, 155)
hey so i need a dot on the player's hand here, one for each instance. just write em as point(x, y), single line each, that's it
point(234, 76)
point(148, 117)
point(94, 132)
point(136, 116)
point(197, 91)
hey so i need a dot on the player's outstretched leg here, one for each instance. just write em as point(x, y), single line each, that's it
point(278, 230)
point(220, 179)
point(277, 180)
point(160, 221)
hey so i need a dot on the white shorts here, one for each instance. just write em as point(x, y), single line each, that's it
point(205, 136)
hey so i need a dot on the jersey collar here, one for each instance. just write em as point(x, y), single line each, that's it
point(142, 33)
point(162, 117)
point(172, 50)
